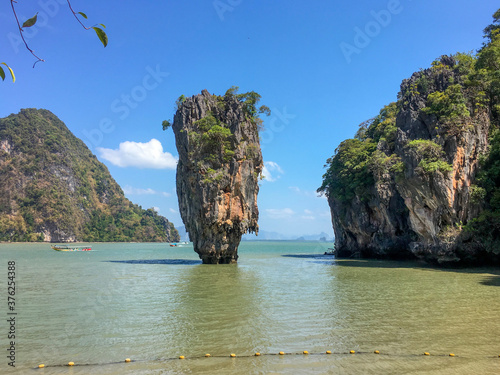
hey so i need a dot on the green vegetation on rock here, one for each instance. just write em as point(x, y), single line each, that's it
point(383, 128)
point(487, 225)
point(430, 155)
point(487, 188)
point(213, 138)
point(249, 100)
point(449, 104)
point(212, 142)
point(350, 171)
point(477, 86)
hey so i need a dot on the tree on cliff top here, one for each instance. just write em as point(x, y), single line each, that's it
point(492, 31)
point(488, 67)
point(249, 101)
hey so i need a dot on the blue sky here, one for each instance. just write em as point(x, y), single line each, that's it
point(322, 66)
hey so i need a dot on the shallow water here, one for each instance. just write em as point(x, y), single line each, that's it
point(152, 303)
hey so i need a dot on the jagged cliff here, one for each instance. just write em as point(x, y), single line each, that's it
point(220, 163)
point(53, 189)
point(407, 185)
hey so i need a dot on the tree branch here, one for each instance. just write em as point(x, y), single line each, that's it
point(21, 33)
point(75, 14)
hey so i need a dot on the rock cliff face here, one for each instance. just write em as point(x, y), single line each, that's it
point(220, 163)
point(410, 187)
point(53, 189)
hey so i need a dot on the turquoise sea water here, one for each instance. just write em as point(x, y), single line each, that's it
point(153, 303)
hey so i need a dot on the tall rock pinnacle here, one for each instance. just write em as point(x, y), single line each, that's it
point(220, 163)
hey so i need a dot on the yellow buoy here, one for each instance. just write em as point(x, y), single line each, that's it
point(257, 354)
point(233, 355)
point(328, 352)
point(452, 355)
point(181, 357)
point(127, 360)
point(352, 352)
point(41, 365)
point(376, 352)
point(426, 353)
point(282, 353)
point(71, 363)
point(207, 355)
point(305, 352)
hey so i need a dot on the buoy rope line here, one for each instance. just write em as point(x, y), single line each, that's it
point(258, 354)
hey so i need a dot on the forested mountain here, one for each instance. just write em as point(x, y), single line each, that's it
point(53, 189)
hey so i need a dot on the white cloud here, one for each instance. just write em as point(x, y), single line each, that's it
point(139, 155)
point(280, 213)
point(129, 190)
point(173, 211)
point(271, 171)
point(308, 212)
point(157, 209)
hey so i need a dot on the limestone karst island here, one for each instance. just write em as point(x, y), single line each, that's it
point(422, 179)
point(220, 163)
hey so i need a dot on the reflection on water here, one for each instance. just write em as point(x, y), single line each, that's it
point(220, 310)
point(152, 303)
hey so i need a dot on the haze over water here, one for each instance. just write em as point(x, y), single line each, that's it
point(152, 303)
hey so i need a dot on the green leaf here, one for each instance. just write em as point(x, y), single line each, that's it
point(102, 25)
point(166, 124)
point(83, 15)
point(102, 35)
point(2, 74)
point(30, 22)
point(10, 70)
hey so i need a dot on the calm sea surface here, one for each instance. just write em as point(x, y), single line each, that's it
point(153, 303)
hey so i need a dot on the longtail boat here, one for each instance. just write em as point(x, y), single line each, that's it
point(70, 248)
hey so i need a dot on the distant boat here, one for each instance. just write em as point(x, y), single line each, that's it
point(179, 244)
point(72, 248)
point(330, 251)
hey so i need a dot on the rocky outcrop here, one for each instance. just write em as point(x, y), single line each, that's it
point(416, 189)
point(220, 163)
